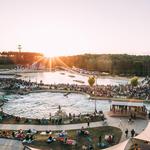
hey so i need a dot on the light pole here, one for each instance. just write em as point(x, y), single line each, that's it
point(91, 82)
point(95, 106)
point(19, 48)
point(95, 102)
point(94, 93)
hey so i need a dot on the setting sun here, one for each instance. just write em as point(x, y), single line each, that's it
point(53, 53)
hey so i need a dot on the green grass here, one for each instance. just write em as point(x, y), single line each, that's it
point(40, 141)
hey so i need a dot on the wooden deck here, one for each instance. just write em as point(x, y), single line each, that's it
point(126, 114)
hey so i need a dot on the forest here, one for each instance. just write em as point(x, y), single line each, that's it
point(114, 64)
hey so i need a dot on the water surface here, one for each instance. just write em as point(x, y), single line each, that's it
point(69, 78)
point(39, 105)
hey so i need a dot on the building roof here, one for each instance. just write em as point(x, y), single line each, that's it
point(119, 103)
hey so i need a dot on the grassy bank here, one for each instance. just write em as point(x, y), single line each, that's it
point(92, 138)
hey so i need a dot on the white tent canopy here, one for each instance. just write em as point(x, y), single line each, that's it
point(30, 148)
point(120, 146)
point(144, 135)
point(9, 144)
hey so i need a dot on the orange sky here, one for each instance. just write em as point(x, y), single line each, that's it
point(68, 27)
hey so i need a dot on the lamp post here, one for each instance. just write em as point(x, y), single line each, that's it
point(19, 48)
point(94, 93)
point(94, 102)
point(95, 107)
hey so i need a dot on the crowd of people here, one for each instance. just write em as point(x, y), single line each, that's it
point(17, 86)
point(142, 91)
point(24, 136)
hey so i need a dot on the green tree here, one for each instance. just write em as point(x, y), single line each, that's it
point(134, 81)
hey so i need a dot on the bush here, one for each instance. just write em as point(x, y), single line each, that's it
point(134, 81)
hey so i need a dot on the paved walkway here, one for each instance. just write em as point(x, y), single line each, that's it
point(121, 123)
point(9, 144)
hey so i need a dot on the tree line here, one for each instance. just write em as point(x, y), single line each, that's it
point(114, 64)
point(19, 58)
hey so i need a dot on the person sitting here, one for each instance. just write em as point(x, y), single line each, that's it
point(83, 131)
point(65, 140)
point(105, 122)
point(20, 136)
point(50, 139)
point(31, 137)
point(109, 140)
point(69, 141)
point(102, 145)
point(130, 120)
point(29, 131)
point(62, 134)
point(84, 147)
point(102, 117)
point(86, 132)
point(13, 134)
point(33, 131)
point(27, 138)
point(47, 132)
point(90, 147)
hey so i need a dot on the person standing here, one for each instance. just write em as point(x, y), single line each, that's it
point(149, 115)
point(120, 123)
point(126, 133)
point(100, 139)
point(88, 123)
point(130, 120)
point(132, 133)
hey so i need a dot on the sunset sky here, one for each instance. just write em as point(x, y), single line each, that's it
point(68, 27)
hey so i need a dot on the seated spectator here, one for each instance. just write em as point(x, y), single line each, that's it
point(50, 139)
point(105, 122)
point(47, 132)
point(69, 141)
point(13, 134)
point(84, 147)
point(33, 131)
point(90, 147)
point(109, 139)
point(83, 131)
point(29, 131)
point(28, 138)
point(62, 134)
point(20, 136)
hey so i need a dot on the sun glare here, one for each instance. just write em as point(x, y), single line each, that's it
point(52, 53)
